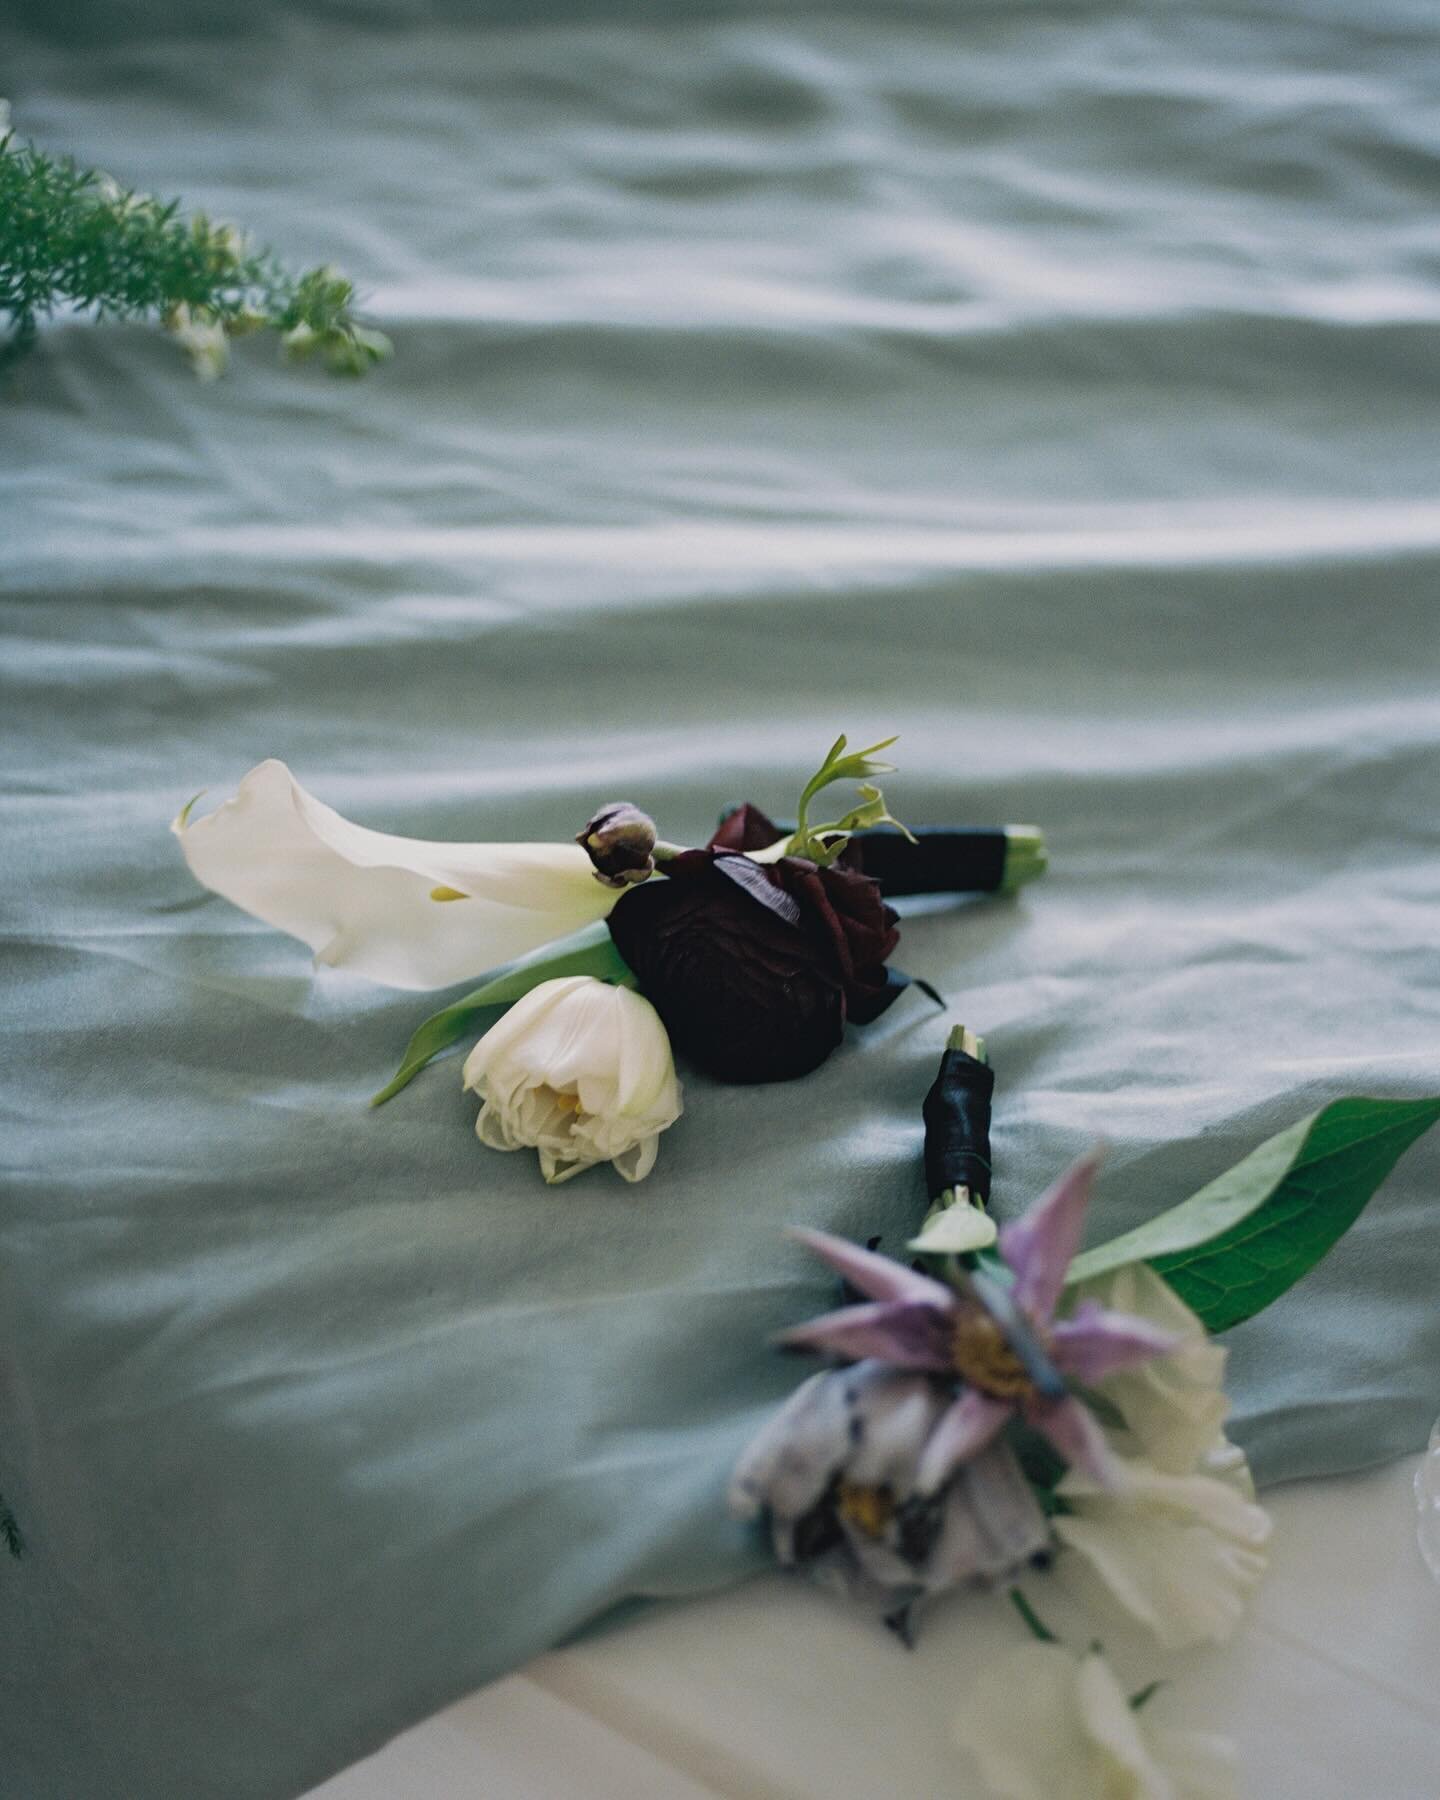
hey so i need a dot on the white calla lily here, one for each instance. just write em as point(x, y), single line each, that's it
point(1180, 1553)
point(1046, 1725)
point(580, 1071)
point(1174, 1404)
point(403, 911)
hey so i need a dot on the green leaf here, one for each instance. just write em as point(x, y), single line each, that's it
point(588, 952)
point(1238, 1244)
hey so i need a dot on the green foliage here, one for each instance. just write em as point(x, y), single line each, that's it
point(588, 952)
point(72, 237)
point(823, 843)
point(1237, 1245)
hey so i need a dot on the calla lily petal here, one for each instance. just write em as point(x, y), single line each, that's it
point(1041, 1244)
point(878, 1276)
point(363, 900)
point(907, 1335)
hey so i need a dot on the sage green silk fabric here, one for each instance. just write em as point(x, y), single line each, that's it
point(1053, 385)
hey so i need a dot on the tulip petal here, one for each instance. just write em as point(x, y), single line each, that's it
point(906, 1335)
point(1040, 1245)
point(362, 899)
point(1093, 1342)
point(972, 1422)
point(581, 1072)
point(878, 1276)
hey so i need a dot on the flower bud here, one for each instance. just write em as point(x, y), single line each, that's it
point(581, 1072)
point(620, 841)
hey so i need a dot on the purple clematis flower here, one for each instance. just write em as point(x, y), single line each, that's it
point(834, 1473)
point(1003, 1345)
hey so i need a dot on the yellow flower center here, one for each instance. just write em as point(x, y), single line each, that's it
point(868, 1509)
point(982, 1354)
point(447, 893)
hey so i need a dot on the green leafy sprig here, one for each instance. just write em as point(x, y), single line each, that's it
point(73, 237)
point(821, 844)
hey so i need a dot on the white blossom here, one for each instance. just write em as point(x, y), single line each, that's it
point(1045, 1725)
point(404, 911)
point(1174, 1404)
point(1180, 1553)
point(580, 1071)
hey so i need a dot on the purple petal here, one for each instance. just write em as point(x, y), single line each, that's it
point(965, 1430)
point(878, 1276)
point(788, 1464)
point(1094, 1342)
point(1040, 1245)
point(990, 1522)
point(1075, 1432)
point(906, 1335)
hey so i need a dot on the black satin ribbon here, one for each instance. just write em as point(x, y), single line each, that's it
point(957, 1126)
point(945, 859)
point(968, 860)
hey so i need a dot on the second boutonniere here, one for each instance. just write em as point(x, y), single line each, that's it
point(751, 955)
point(1000, 1404)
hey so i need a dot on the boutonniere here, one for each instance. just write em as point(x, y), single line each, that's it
point(750, 955)
point(998, 1405)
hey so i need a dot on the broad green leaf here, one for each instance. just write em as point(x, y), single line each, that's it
point(588, 952)
point(1238, 1244)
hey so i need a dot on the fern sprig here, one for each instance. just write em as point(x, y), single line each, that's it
point(72, 237)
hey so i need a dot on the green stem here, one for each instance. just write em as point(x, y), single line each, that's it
point(1037, 1627)
point(1026, 858)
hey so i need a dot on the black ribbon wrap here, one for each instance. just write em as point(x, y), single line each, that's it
point(957, 1126)
point(967, 860)
point(945, 859)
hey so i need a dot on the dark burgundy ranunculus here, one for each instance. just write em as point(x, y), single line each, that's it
point(755, 969)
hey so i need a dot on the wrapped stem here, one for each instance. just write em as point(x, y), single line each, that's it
point(957, 1150)
point(932, 859)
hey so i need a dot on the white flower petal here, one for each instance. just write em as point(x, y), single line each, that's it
point(1180, 1553)
point(1022, 1724)
point(362, 899)
point(582, 1073)
point(1174, 1404)
point(1044, 1726)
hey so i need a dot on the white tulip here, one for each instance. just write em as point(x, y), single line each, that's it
point(579, 1071)
point(1045, 1725)
point(403, 911)
point(1180, 1553)
point(1174, 1404)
